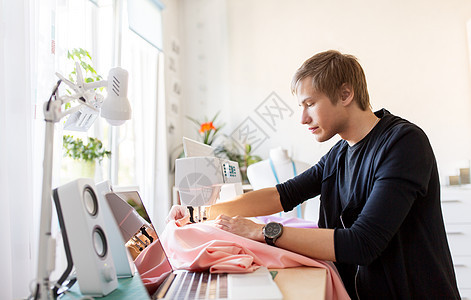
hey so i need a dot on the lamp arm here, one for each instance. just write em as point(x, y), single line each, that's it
point(95, 84)
point(71, 110)
point(67, 99)
point(68, 82)
point(83, 86)
point(53, 113)
point(74, 109)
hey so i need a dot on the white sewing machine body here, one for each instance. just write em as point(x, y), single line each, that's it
point(199, 179)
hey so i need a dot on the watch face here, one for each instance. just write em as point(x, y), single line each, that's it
point(272, 230)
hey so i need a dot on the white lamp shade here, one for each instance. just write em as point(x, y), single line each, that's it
point(116, 108)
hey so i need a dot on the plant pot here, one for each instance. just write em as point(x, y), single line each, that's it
point(74, 169)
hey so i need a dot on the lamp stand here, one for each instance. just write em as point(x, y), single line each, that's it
point(46, 251)
point(47, 244)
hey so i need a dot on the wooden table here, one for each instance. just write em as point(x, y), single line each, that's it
point(301, 283)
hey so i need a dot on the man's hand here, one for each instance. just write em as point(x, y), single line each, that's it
point(179, 214)
point(240, 226)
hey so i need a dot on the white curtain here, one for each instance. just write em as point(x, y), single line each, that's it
point(19, 115)
point(143, 61)
point(27, 66)
point(140, 59)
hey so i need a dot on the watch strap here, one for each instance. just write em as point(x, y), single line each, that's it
point(270, 241)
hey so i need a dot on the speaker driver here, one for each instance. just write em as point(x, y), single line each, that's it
point(99, 242)
point(90, 201)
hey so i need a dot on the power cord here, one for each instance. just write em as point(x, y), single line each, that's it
point(55, 286)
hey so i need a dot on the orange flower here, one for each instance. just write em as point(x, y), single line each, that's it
point(207, 127)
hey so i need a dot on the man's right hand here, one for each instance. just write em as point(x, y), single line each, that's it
point(179, 214)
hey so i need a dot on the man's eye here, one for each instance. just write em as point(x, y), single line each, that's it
point(310, 104)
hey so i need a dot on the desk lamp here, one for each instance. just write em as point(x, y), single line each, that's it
point(115, 109)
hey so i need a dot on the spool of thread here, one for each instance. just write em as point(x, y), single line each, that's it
point(464, 176)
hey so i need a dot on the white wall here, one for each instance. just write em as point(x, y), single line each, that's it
point(205, 63)
point(173, 51)
point(415, 55)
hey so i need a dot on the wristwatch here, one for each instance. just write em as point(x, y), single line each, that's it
point(272, 231)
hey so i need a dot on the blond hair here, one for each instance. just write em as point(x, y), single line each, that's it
point(329, 71)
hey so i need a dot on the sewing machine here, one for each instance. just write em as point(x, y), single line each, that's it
point(201, 180)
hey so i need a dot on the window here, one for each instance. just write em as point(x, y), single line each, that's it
point(38, 37)
point(133, 144)
point(103, 31)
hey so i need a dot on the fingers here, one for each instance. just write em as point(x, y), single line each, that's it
point(223, 217)
point(222, 222)
point(177, 212)
point(239, 225)
point(231, 224)
point(222, 226)
point(183, 221)
point(225, 220)
point(181, 211)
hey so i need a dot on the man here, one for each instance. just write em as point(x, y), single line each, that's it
point(380, 219)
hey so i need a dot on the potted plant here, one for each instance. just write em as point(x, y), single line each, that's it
point(85, 155)
point(81, 156)
point(207, 130)
point(244, 159)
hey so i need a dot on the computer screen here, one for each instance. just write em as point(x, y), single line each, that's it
point(142, 241)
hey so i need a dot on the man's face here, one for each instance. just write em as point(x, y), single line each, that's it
point(323, 118)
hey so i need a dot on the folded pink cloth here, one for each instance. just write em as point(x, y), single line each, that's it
point(202, 246)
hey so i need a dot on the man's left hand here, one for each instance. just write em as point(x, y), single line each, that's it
point(240, 226)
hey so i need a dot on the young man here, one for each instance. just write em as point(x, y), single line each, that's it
point(380, 219)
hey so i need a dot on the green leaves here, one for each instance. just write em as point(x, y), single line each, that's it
point(84, 58)
point(76, 149)
point(244, 159)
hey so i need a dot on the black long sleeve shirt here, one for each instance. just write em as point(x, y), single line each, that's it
point(389, 238)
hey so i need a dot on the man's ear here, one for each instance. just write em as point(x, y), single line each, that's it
point(346, 94)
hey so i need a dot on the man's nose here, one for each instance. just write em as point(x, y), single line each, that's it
point(305, 118)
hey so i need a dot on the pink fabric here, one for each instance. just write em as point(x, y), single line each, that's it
point(202, 246)
point(290, 222)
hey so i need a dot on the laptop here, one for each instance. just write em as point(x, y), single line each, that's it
point(183, 284)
